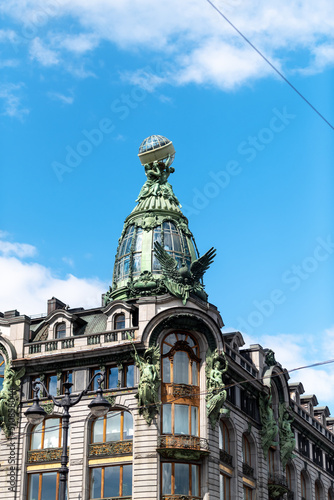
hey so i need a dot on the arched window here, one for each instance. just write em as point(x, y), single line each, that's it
point(2, 370)
point(224, 438)
point(47, 434)
point(180, 376)
point(111, 435)
point(246, 451)
point(128, 258)
point(318, 491)
point(290, 477)
point(119, 321)
point(115, 426)
point(60, 331)
point(303, 485)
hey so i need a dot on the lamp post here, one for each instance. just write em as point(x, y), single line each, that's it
point(35, 415)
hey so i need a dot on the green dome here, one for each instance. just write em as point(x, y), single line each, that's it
point(155, 230)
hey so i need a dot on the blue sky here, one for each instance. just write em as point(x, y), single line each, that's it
point(83, 83)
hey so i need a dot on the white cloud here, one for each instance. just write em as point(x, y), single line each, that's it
point(21, 250)
point(44, 55)
point(297, 351)
point(65, 99)
point(200, 44)
point(11, 99)
point(27, 287)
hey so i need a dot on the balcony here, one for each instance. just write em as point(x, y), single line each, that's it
point(182, 447)
point(225, 457)
point(277, 486)
point(79, 342)
point(247, 470)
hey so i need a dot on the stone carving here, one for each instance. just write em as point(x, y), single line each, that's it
point(157, 174)
point(269, 426)
point(286, 435)
point(46, 455)
point(270, 358)
point(149, 383)
point(216, 366)
point(10, 397)
point(183, 281)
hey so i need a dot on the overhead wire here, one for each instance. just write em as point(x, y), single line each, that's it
point(269, 62)
point(197, 394)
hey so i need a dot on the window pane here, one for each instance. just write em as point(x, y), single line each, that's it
point(61, 331)
point(166, 369)
point(194, 481)
point(98, 430)
point(167, 242)
point(181, 479)
point(113, 432)
point(53, 385)
point(177, 243)
point(138, 240)
point(166, 479)
point(128, 426)
point(95, 385)
point(51, 437)
point(181, 419)
point(120, 322)
point(95, 483)
point(127, 480)
point(167, 419)
point(111, 482)
point(36, 437)
point(194, 421)
point(33, 486)
point(3, 364)
point(181, 363)
point(194, 373)
point(49, 484)
point(113, 378)
point(136, 264)
point(130, 379)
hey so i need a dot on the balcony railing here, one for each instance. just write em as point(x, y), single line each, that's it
point(182, 446)
point(247, 470)
point(79, 342)
point(277, 485)
point(225, 457)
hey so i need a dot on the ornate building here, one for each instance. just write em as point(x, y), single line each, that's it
point(193, 414)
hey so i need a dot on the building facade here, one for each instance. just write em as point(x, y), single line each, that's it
point(194, 415)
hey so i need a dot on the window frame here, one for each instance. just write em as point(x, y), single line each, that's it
point(121, 475)
point(105, 427)
point(62, 327)
point(60, 433)
point(190, 465)
point(40, 483)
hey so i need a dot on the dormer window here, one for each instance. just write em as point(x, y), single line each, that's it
point(61, 331)
point(119, 322)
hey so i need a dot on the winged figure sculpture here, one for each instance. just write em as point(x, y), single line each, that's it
point(182, 281)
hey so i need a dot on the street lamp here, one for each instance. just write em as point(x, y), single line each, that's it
point(35, 415)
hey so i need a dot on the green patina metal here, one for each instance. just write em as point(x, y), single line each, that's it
point(149, 383)
point(10, 397)
point(140, 270)
point(269, 425)
point(286, 435)
point(216, 366)
point(188, 322)
point(48, 407)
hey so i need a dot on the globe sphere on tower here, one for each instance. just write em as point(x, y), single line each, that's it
point(156, 148)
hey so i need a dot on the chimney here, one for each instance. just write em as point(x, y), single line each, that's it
point(54, 304)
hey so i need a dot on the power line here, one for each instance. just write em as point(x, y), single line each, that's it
point(269, 62)
point(202, 393)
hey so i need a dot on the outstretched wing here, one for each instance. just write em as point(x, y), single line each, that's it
point(168, 263)
point(199, 266)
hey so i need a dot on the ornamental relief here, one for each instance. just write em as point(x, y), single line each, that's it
point(182, 390)
point(112, 448)
point(46, 455)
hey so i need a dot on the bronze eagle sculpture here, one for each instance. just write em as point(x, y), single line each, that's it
point(181, 282)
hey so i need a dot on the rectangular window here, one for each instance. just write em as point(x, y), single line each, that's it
point(181, 423)
point(114, 481)
point(225, 487)
point(65, 375)
point(129, 375)
point(194, 421)
point(113, 377)
point(51, 384)
point(180, 479)
point(113, 427)
point(43, 486)
point(247, 493)
point(167, 419)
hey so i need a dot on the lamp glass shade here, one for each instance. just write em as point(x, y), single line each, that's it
point(99, 406)
point(35, 414)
